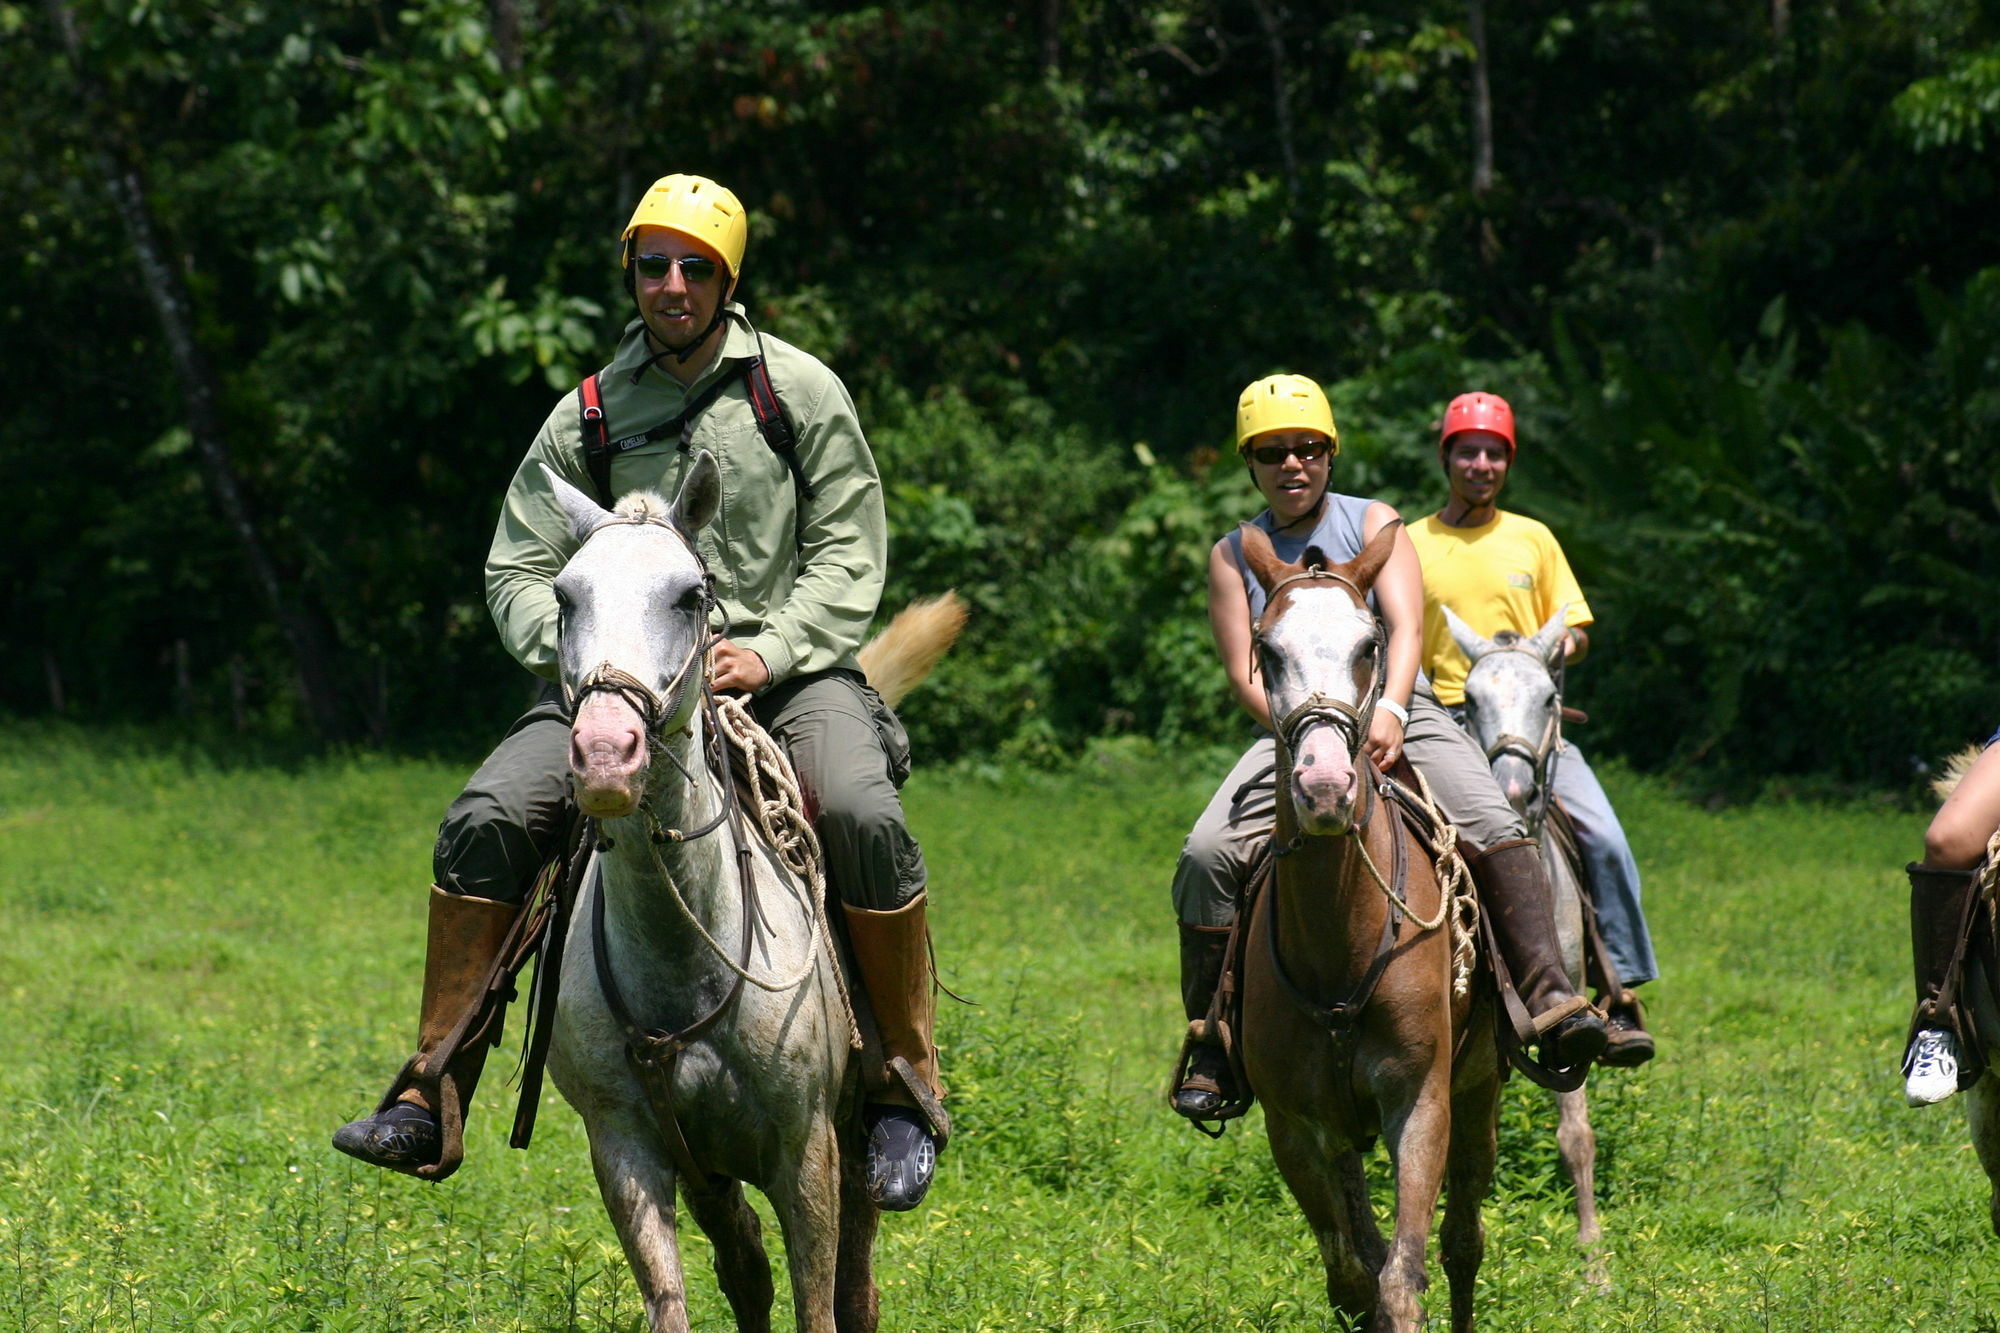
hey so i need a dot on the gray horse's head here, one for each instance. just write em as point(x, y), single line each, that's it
point(1318, 647)
point(1511, 700)
point(634, 608)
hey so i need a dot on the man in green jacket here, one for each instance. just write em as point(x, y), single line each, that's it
point(797, 550)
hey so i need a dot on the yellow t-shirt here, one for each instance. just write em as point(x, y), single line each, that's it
point(1507, 574)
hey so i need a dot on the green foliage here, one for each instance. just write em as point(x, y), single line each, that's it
point(1029, 240)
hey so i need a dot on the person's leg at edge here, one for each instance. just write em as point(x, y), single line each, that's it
point(1512, 881)
point(1613, 876)
point(851, 755)
point(492, 843)
point(1214, 865)
point(1954, 845)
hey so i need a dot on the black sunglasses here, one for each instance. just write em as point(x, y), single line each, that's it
point(695, 269)
point(1273, 454)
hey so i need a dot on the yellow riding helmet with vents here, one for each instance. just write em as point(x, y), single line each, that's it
point(1284, 402)
point(694, 207)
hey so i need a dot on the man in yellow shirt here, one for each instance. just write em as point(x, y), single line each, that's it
point(1501, 571)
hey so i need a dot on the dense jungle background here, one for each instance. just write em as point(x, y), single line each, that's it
point(286, 289)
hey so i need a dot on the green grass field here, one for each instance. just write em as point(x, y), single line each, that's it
point(205, 968)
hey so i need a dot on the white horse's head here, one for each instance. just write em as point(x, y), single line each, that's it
point(1512, 704)
point(1321, 652)
point(634, 602)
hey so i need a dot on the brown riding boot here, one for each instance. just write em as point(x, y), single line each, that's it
point(908, 1125)
point(1207, 1083)
point(418, 1128)
point(1932, 1058)
point(1514, 888)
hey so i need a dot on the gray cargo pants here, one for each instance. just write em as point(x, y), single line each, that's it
point(1223, 845)
point(850, 752)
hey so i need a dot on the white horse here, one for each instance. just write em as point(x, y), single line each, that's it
point(702, 1031)
point(1513, 708)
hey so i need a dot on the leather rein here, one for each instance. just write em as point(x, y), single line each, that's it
point(654, 1052)
point(1351, 721)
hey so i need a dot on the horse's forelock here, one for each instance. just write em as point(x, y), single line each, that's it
point(1507, 638)
point(646, 506)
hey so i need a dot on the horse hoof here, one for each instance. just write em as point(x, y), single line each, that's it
point(902, 1159)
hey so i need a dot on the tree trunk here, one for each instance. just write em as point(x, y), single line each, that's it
point(1482, 101)
point(306, 633)
point(503, 17)
point(1051, 37)
point(1281, 100)
point(1781, 19)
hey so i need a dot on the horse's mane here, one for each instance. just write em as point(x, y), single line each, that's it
point(1507, 638)
point(644, 505)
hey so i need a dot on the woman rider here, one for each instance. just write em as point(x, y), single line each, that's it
point(1286, 436)
point(1954, 846)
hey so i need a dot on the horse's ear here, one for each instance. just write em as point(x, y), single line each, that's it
point(700, 497)
point(1468, 640)
point(1257, 554)
point(584, 513)
point(1364, 567)
point(1547, 642)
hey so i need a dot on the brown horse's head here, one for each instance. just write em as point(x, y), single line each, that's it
point(1321, 653)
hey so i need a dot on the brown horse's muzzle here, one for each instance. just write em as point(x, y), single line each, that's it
point(1325, 783)
point(608, 757)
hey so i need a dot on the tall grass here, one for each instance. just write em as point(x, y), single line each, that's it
point(207, 967)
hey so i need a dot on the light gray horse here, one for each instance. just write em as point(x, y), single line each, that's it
point(1513, 708)
point(766, 1091)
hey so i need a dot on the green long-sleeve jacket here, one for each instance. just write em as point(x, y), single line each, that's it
point(799, 590)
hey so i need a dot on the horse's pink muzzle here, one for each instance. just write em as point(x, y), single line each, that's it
point(608, 757)
point(1325, 784)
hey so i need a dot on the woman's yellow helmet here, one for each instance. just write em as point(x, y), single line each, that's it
point(697, 208)
point(1284, 402)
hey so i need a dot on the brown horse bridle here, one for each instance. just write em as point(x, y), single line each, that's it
point(1350, 720)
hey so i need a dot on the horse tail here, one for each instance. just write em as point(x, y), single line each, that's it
point(1955, 769)
point(897, 660)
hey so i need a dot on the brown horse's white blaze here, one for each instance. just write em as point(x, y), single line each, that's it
point(608, 756)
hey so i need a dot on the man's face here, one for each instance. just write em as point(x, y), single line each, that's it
point(675, 309)
point(1476, 461)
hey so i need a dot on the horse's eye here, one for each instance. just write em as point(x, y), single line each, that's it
point(562, 598)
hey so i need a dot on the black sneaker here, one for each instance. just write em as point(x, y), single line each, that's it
point(902, 1158)
point(1630, 1044)
point(1205, 1088)
point(403, 1136)
point(1576, 1041)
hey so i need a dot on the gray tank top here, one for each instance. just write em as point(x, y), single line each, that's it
point(1338, 534)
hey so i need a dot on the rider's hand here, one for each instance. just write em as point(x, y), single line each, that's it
point(1385, 739)
point(734, 668)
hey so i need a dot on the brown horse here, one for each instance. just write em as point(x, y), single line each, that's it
point(1352, 1025)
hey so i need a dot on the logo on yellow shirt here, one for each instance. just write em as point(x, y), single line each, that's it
point(1526, 581)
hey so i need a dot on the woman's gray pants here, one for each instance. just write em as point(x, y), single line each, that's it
point(1216, 859)
point(849, 750)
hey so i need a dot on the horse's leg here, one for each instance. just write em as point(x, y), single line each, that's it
point(856, 1302)
point(741, 1267)
point(1418, 1139)
point(808, 1204)
point(1475, 1132)
point(1982, 1113)
point(637, 1185)
point(1362, 1227)
point(1320, 1184)
point(1577, 1142)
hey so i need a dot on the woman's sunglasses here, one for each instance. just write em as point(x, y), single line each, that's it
point(1273, 454)
point(695, 269)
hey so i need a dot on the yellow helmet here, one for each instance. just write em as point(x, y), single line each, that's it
point(697, 208)
point(1284, 402)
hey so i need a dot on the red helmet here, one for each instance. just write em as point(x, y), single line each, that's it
point(1478, 411)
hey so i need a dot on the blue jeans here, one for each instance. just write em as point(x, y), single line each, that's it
point(1609, 867)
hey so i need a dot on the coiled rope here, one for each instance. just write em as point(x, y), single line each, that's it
point(1456, 898)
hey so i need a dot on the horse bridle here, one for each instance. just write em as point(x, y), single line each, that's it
point(604, 678)
point(1540, 756)
point(1350, 720)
